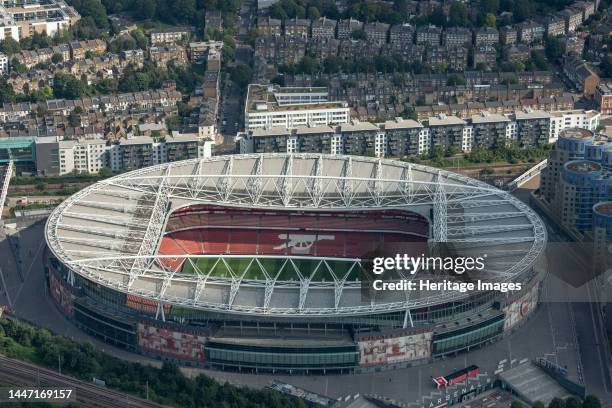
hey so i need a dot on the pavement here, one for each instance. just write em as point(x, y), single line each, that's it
point(569, 334)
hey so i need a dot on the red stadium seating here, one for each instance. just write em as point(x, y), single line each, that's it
point(243, 241)
point(216, 241)
point(213, 230)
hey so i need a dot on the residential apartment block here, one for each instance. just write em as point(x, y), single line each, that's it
point(457, 36)
point(577, 177)
point(323, 28)
point(273, 106)
point(4, 64)
point(428, 35)
point(58, 157)
point(405, 137)
point(19, 19)
point(170, 35)
point(603, 98)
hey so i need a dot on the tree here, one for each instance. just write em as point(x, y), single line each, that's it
point(309, 65)
point(42, 94)
point(538, 404)
point(123, 43)
point(455, 79)
point(241, 75)
point(437, 17)
point(490, 6)
point(93, 9)
point(6, 92)
point(57, 58)
point(554, 48)
point(85, 28)
point(41, 110)
point(591, 401)
point(173, 123)
point(17, 66)
point(67, 86)
point(490, 20)
point(313, 13)
point(573, 402)
point(516, 404)
point(146, 9)
point(556, 403)
point(538, 59)
point(74, 119)
point(409, 113)
point(9, 46)
point(458, 15)
point(140, 38)
point(182, 11)
point(332, 64)
point(358, 34)
point(522, 10)
point(105, 172)
point(606, 66)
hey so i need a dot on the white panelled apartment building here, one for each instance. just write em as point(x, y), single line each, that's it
point(270, 106)
point(405, 137)
point(58, 157)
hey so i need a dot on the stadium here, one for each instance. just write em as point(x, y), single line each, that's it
point(255, 262)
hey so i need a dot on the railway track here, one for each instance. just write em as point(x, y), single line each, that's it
point(14, 372)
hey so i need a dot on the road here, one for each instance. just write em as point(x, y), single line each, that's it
point(584, 310)
point(232, 97)
point(549, 333)
point(19, 373)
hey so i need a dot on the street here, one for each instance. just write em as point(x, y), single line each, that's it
point(565, 333)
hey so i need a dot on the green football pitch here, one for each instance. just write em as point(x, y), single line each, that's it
point(279, 268)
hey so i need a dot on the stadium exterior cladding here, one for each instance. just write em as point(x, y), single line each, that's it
point(177, 261)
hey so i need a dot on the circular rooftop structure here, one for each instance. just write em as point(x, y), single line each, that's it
point(583, 166)
point(576, 133)
point(603, 208)
point(284, 234)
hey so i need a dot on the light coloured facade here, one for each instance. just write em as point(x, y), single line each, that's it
point(21, 20)
point(404, 137)
point(170, 35)
point(58, 157)
point(572, 119)
point(271, 106)
point(82, 156)
point(4, 64)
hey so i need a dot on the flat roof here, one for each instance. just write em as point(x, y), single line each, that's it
point(314, 129)
point(137, 140)
point(356, 126)
point(575, 133)
point(533, 384)
point(531, 114)
point(604, 208)
point(402, 124)
point(583, 166)
point(445, 120)
point(265, 95)
point(274, 131)
point(489, 117)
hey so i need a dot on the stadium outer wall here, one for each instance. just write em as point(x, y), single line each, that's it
point(130, 322)
point(223, 335)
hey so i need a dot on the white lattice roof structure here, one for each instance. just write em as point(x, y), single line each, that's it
point(110, 232)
